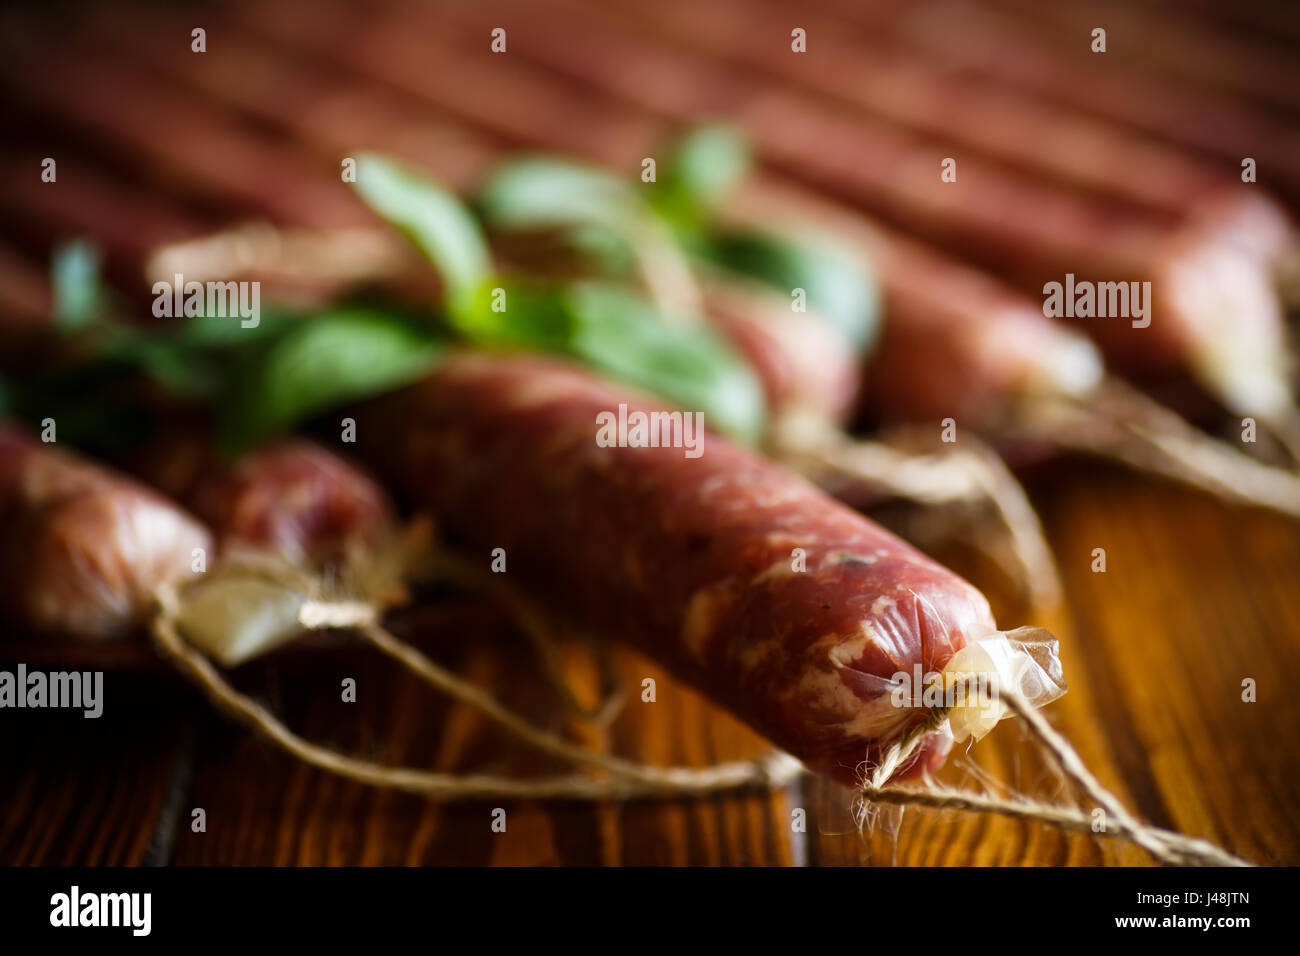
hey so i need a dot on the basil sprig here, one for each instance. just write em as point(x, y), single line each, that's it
point(546, 192)
point(432, 218)
point(698, 173)
point(265, 378)
point(605, 325)
point(622, 335)
point(78, 293)
point(104, 386)
point(701, 169)
point(336, 357)
point(837, 285)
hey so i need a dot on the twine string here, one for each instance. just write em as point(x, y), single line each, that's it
point(519, 727)
point(535, 625)
point(1166, 846)
point(617, 778)
point(1121, 423)
point(971, 474)
point(628, 781)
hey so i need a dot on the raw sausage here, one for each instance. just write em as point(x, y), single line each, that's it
point(992, 43)
point(295, 498)
point(956, 342)
point(83, 548)
point(1027, 229)
point(693, 560)
point(1051, 141)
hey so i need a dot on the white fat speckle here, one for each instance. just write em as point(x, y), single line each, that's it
point(850, 649)
point(756, 653)
point(544, 389)
point(781, 568)
point(702, 613)
point(777, 497)
point(824, 692)
point(845, 652)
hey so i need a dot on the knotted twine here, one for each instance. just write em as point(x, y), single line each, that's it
point(617, 778)
point(1120, 423)
point(972, 474)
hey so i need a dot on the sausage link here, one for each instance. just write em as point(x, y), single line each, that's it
point(296, 498)
point(102, 98)
point(955, 340)
point(1174, 47)
point(693, 560)
point(290, 496)
point(1059, 143)
point(1027, 229)
point(992, 43)
point(83, 548)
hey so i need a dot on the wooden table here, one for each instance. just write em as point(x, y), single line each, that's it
point(1196, 598)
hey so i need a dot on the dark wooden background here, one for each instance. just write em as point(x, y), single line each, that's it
point(1196, 597)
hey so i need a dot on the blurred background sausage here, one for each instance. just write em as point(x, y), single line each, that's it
point(83, 548)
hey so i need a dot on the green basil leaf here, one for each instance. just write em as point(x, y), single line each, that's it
point(341, 356)
point(596, 214)
point(224, 331)
point(838, 283)
point(701, 170)
point(78, 291)
point(545, 193)
point(431, 216)
point(612, 329)
point(190, 360)
point(513, 314)
point(184, 372)
point(622, 335)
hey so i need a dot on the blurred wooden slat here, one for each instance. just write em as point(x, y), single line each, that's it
point(91, 791)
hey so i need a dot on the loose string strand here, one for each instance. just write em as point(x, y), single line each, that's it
point(622, 779)
point(441, 679)
point(632, 781)
point(1125, 425)
point(972, 474)
point(1166, 846)
point(534, 624)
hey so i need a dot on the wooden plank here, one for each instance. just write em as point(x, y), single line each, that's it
point(90, 791)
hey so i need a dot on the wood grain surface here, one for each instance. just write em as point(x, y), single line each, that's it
point(1196, 597)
